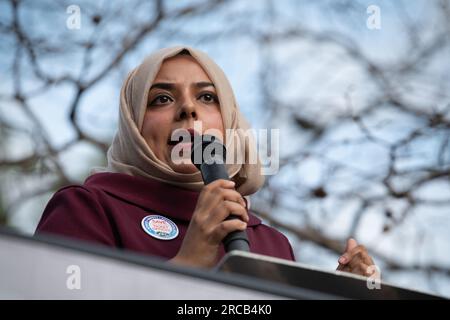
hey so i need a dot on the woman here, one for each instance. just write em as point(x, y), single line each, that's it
point(147, 202)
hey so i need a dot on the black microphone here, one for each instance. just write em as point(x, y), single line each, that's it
point(208, 154)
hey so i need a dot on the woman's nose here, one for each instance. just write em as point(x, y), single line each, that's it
point(187, 110)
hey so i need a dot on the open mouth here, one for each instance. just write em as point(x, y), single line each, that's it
point(187, 138)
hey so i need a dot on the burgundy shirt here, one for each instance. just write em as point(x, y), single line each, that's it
point(109, 207)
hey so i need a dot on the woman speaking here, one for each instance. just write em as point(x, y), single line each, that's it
point(146, 201)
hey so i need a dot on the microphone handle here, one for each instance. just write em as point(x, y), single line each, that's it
point(212, 172)
point(235, 240)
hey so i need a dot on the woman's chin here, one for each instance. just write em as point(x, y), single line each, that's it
point(184, 168)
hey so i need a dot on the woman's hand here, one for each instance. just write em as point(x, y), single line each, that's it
point(356, 260)
point(208, 226)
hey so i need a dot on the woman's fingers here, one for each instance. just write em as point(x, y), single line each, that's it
point(220, 183)
point(359, 263)
point(218, 191)
point(351, 244)
point(209, 224)
point(220, 200)
point(356, 259)
point(233, 195)
point(358, 250)
point(346, 257)
point(225, 227)
point(236, 209)
point(361, 269)
point(226, 209)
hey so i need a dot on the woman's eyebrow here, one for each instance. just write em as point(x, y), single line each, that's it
point(163, 85)
point(204, 84)
point(171, 86)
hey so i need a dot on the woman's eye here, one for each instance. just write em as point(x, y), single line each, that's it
point(161, 100)
point(208, 97)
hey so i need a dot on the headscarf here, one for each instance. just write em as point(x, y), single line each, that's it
point(130, 154)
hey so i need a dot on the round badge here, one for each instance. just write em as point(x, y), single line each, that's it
point(160, 227)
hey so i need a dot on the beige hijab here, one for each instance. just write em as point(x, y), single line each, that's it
point(130, 154)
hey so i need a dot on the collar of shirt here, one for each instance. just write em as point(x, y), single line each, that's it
point(151, 194)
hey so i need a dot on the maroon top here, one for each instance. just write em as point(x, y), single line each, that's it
point(109, 207)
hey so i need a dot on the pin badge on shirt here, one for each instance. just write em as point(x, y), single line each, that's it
point(159, 227)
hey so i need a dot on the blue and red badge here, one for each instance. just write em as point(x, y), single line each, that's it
point(160, 227)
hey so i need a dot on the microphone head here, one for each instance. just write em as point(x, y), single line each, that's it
point(207, 149)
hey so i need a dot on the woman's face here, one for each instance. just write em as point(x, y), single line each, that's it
point(181, 93)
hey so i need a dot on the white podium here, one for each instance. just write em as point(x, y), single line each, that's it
point(45, 267)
